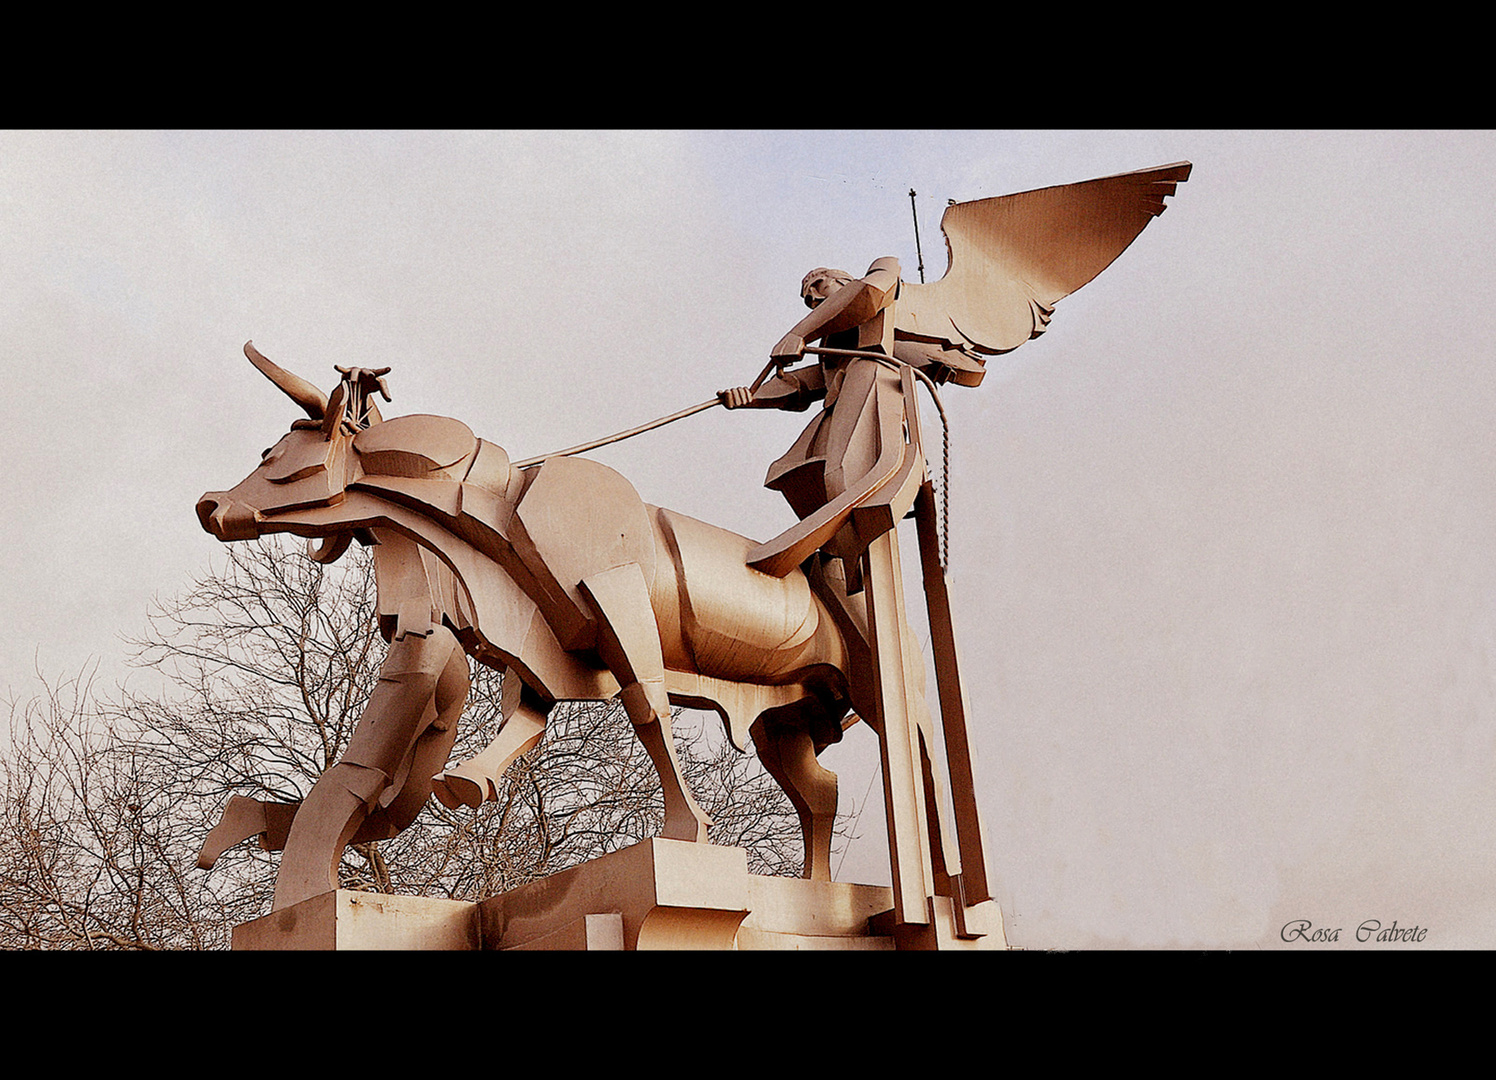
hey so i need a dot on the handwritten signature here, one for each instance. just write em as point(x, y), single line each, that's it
point(1370, 930)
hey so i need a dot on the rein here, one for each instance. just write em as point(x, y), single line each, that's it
point(629, 434)
point(880, 358)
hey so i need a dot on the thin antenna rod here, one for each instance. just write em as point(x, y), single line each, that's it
point(917, 251)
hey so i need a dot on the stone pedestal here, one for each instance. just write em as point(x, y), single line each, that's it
point(360, 920)
point(659, 894)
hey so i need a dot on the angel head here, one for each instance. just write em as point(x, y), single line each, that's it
point(821, 283)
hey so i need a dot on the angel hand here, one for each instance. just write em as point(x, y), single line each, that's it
point(736, 398)
point(790, 349)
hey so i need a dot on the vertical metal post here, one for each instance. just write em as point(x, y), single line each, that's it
point(903, 782)
point(919, 254)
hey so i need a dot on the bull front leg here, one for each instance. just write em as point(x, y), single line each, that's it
point(243, 818)
point(406, 703)
point(523, 713)
point(414, 785)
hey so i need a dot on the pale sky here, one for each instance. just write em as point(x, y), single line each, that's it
point(1220, 539)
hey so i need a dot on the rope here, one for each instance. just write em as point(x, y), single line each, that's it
point(629, 434)
point(945, 433)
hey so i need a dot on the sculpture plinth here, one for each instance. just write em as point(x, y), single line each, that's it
point(347, 920)
point(656, 895)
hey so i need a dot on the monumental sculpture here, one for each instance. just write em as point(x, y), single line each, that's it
point(556, 571)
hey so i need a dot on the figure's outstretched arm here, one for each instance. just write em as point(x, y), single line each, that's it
point(846, 308)
point(789, 390)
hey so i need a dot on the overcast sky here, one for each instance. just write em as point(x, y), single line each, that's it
point(1220, 539)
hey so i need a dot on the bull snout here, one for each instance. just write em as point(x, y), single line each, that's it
point(227, 518)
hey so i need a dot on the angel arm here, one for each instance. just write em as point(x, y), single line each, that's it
point(940, 361)
point(846, 305)
point(792, 391)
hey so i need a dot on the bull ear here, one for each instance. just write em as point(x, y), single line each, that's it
point(337, 407)
point(330, 550)
point(306, 395)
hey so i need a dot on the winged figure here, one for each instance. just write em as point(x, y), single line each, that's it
point(859, 468)
point(1012, 258)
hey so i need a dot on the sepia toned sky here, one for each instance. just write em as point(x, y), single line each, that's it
point(1221, 539)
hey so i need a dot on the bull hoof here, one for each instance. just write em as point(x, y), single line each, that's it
point(458, 787)
point(242, 818)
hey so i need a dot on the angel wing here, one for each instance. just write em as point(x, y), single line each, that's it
point(1014, 257)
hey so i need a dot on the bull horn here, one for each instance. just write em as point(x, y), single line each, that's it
point(306, 395)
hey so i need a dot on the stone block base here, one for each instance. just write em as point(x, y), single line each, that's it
point(658, 894)
point(360, 920)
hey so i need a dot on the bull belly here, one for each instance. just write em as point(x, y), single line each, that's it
point(722, 618)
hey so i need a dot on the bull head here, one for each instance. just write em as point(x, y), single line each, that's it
point(309, 467)
point(303, 481)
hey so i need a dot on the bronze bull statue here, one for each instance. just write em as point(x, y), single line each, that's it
point(561, 576)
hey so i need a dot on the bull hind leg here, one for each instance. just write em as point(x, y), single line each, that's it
point(788, 754)
point(629, 643)
point(523, 713)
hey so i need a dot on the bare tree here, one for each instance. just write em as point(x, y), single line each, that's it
point(270, 661)
point(91, 839)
